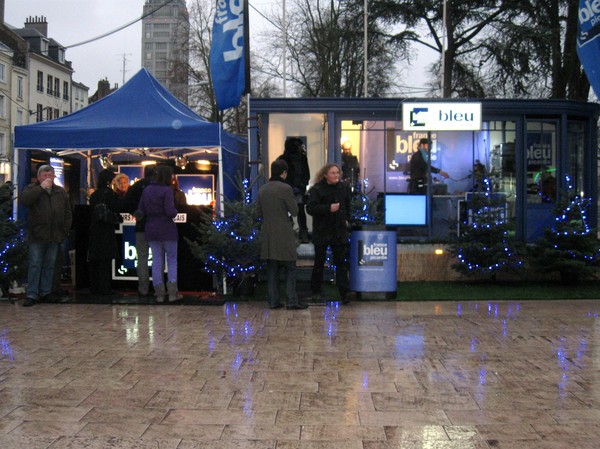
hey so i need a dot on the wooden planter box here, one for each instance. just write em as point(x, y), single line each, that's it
point(419, 262)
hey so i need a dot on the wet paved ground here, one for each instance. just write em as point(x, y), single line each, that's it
point(378, 375)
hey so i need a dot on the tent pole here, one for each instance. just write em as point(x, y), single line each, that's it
point(221, 199)
point(89, 175)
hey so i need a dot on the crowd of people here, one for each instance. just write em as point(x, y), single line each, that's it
point(154, 201)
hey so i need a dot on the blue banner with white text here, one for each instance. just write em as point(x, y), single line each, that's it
point(228, 53)
point(588, 41)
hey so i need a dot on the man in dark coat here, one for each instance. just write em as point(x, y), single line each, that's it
point(350, 166)
point(329, 204)
point(276, 206)
point(298, 176)
point(131, 203)
point(49, 221)
point(103, 247)
point(418, 168)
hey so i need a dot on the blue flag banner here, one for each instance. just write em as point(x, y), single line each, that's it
point(588, 41)
point(228, 53)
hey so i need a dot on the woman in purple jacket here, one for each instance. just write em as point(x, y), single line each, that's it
point(158, 206)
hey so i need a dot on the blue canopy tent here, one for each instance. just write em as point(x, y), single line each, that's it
point(140, 120)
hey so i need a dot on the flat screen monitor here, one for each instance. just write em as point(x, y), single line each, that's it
point(403, 209)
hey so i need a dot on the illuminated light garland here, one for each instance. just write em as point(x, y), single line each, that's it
point(486, 239)
point(14, 243)
point(569, 244)
point(362, 207)
point(231, 242)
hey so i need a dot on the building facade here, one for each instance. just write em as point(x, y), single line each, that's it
point(35, 82)
point(51, 73)
point(527, 149)
point(6, 80)
point(79, 96)
point(165, 44)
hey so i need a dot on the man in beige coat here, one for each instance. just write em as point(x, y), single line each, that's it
point(276, 206)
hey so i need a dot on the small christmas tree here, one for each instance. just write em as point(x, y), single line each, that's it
point(569, 246)
point(487, 246)
point(228, 245)
point(364, 210)
point(13, 243)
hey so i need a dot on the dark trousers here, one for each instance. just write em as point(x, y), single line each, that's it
point(302, 217)
point(340, 259)
point(100, 276)
point(273, 269)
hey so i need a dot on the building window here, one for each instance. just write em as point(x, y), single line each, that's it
point(61, 55)
point(2, 73)
point(56, 113)
point(20, 87)
point(38, 113)
point(65, 90)
point(56, 87)
point(49, 83)
point(148, 55)
point(40, 81)
point(2, 143)
point(19, 118)
point(2, 106)
point(48, 113)
point(542, 141)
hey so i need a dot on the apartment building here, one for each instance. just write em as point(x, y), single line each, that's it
point(165, 44)
point(5, 96)
point(50, 72)
point(35, 82)
point(79, 96)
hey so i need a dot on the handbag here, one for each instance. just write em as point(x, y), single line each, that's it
point(104, 214)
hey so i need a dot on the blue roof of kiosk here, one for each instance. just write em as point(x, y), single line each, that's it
point(142, 113)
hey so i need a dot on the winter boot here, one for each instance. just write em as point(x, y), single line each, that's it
point(172, 289)
point(159, 293)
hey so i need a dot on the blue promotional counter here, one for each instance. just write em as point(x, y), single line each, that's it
point(373, 263)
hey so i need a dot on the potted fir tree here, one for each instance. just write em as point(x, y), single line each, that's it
point(487, 246)
point(228, 245)
point(13, 244)
point(569, 246)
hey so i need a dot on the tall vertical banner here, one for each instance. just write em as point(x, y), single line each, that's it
point(229, 60)
point(588, 41)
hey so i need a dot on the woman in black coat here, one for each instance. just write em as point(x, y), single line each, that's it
point(103, 246)
point(329, 204)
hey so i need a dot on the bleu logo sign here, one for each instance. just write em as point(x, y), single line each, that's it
point(459, 116)
point(418, 116)
point(588, 43)
point(372, 250)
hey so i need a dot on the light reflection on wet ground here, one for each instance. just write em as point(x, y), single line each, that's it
point(372, 375)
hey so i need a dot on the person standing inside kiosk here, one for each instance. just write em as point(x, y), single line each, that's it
point(419, 162)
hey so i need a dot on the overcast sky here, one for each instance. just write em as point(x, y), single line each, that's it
point(73, 21)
